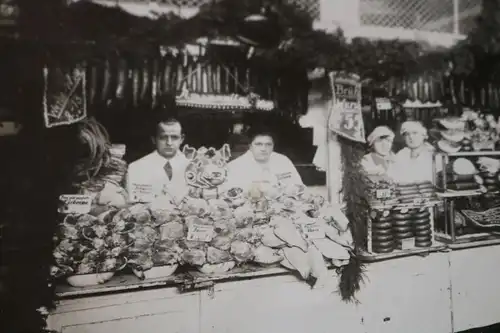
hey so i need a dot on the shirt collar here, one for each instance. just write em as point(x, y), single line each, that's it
point(177, 158)
point(249, 156)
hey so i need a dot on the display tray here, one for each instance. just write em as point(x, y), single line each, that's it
point(399, 206)
point(456, 194)
point(184, 281)
point(469, 239)
point(474, 243)
point(374, 257)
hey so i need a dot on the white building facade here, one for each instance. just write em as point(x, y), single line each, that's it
point(439, 22)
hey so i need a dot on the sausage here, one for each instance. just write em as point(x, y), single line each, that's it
point(421, 215)
point(379, 239)
point(420, 221)
point(385, 225)
point(376, 232)
point(421, 228)
point(423, 233)
point(404, 235)
point(424, 244)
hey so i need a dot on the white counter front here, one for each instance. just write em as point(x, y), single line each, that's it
point(441, 292)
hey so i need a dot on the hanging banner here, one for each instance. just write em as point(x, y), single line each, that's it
point(346, 118)
point(9, 13)
point(64, 100)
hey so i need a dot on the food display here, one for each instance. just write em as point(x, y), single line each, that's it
point(400, 229)
point(469, 178)
point(213, 229)
point(404, 222)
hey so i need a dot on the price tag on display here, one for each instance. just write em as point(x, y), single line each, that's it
point(383, 194)
point(383, 104)
point(408, 243)
point(200, 233)
point(75, 204)
point(313, 231)
point(418, 201)
point(141, 192)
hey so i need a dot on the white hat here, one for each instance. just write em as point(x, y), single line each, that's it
point(413, 126)
point(379, 132)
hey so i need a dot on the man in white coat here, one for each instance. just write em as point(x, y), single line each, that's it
point(260, 164)
point(162, 171)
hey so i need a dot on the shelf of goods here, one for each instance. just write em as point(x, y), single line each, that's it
point(469, 186)
point(401, 221)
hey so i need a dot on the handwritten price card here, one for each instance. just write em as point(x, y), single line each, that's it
point(313, 231)
point(141, 192)
point(383, 194)
point(200, 233)
point(74, 204)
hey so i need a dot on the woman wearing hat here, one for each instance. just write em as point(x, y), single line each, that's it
point(414, 162)
point(380, 160)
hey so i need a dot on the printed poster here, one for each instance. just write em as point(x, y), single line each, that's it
point(64, 100)
point(346, 118)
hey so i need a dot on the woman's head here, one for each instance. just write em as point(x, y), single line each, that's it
point(261, 144)
point(414, 134)
point(380, 140)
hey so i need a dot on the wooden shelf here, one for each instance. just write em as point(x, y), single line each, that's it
point(470, 153)
point(457, 194)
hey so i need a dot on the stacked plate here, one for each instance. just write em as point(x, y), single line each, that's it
point(382, 235)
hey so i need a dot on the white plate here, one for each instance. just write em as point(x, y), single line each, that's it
point(158, 272)
point(86, 280)
point(217, 268)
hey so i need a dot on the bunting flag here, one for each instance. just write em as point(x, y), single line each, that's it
point(64, 100)
point(346, 118)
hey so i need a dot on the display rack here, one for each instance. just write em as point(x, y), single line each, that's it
point(407, 246)
point(455, 229)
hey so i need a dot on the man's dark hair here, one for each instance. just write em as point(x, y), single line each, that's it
point(168, 121)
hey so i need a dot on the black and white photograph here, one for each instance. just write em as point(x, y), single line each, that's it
point(249, 166)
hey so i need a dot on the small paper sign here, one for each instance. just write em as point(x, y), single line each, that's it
point(383, 104)
point(75, 204)
point(408, 243)
point(141, 192)
point(384, 194)
point(313, 231)
point(418, 201)
point(200, 233)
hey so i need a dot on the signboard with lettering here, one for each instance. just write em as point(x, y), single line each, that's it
point(75, 204)
point(346, 117)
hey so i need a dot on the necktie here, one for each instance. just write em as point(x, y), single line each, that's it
point(168, 170)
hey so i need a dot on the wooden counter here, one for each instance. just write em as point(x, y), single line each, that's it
point(412, 294)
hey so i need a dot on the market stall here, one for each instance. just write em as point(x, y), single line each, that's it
point(196, 263)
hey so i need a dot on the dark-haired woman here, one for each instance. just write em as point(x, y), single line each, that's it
point(262, 165)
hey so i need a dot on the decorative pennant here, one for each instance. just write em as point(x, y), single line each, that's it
point(346, 117)
point(9, 13)
point(64, 98)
